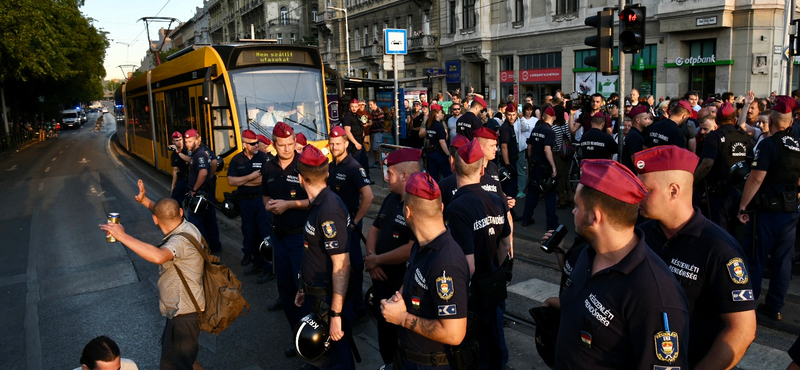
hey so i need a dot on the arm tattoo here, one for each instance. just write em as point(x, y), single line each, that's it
point(413, 324)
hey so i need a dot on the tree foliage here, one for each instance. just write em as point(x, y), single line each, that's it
point(49, 49)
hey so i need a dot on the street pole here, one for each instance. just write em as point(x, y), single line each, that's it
point(346, 36)
point(792, 40)
point(396, 103)
point(621, 83)
point(5, 116)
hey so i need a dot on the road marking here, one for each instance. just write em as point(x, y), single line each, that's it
point(67, 146)
point(46, 170)
point(41, 186)
point(33, 341)
point(535, 289)
point(14, 167)
point(761, 357)
point(54, 159)
point(61, 151)
point(83, 161)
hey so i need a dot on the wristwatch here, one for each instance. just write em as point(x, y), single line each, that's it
point(333, 313)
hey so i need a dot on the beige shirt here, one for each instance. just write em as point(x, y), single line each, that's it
point(174, 300)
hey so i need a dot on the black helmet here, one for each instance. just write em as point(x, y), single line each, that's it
point(372, 302)
point(312, 339)
point(220, 164)
point(505, 174)
point(198, 204)
point(230, 208)
point(740, 172)
point(547, 184)
point(547, 320)
point(265, 248)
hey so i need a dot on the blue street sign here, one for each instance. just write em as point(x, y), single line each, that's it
point(396, 41)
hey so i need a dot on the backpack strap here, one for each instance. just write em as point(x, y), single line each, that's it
point(180, 273)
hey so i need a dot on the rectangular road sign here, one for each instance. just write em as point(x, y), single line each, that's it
point(396, 41)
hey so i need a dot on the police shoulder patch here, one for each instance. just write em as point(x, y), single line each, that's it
point(742, 295)
point(666, 346)
point(447, 309)
point(329, 229)
point(444, 286)
point(332, 244)
point(363, 173)
point(737, 271)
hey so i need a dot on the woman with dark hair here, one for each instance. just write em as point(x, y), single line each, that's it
point(102, 353)
point(435, 149)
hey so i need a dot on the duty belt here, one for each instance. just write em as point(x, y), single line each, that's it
point(248, 197)
point(315, 290)
point(426, 359)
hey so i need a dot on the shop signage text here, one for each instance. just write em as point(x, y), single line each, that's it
point(706, 21)
point(453, 69)
point(695, 60)
point(540, 75)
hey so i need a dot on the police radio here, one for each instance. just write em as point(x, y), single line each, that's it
point(551, 244)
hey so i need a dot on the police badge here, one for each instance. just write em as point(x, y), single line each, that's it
point(666, 346)
point(737, 271)
point(328, 229)
point(363, 173)
point(444, 286)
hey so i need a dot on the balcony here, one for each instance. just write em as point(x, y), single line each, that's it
point(249, 6)
point(284, 21)
point(372, 54)
point(422, 47)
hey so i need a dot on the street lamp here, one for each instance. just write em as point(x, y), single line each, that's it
point(346, 36)
point(126, 49)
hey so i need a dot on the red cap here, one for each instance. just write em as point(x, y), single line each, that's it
point(263, 139)
point(613, 179)
point(249, 134)
point(402, 155)
point(424, 104)
point(479, 100)
point(685, 104)
point(312, 156)
point(550, 112)
point(436, 107)
point(301, 139)
point(176, 134)
point(485, 133)
point(354, 101)
point(726, 109)
point(511, 107)
point(338, 131)
point(637, 110)
point(665, 158)
point(471, 152)
point(458, 141)
point(785, 104)
point(282, 130)
point(191, 133)
point(420, 184)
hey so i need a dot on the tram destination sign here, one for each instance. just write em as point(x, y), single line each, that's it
point(261, 57)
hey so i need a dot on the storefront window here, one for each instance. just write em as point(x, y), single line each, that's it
point(539, 75)
point(703, 78)
point(643, 70)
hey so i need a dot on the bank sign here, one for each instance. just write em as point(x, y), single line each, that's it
point(695, 60)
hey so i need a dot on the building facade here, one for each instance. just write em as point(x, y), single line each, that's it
point(287, 21)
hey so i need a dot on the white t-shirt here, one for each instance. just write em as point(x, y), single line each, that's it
point(451, 126)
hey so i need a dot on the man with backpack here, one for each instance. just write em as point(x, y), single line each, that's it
point(180, 343)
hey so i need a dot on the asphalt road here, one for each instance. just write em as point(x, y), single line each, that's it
point(63, 284)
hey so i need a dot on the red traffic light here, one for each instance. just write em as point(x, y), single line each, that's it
point(631, 17)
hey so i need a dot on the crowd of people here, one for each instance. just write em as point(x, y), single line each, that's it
point(673, 234)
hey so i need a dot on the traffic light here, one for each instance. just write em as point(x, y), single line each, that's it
point(631, 25)
point(603, 42)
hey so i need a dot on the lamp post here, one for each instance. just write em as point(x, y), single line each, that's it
point(346, 36)
point(128, 47)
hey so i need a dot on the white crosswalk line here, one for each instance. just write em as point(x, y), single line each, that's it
point(535, 289)
point(761, 357)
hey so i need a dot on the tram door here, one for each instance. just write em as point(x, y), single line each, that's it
point(162, 139)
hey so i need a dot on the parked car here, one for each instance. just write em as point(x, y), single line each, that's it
point(105, 110)
point(70, 118)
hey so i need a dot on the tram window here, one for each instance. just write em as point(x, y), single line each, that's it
point(141, 118)
point(224, 141)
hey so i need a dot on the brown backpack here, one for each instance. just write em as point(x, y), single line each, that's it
point(223, 291)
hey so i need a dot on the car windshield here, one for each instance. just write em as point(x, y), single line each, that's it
point(265, 96)
point(70, 115)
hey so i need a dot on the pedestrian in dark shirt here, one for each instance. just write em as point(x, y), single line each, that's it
point(469, 121)
point(596, 143)
point(668, 131)
point(509, 149)
point(438, 156)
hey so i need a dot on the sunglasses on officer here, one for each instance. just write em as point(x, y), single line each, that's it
point(255, 143)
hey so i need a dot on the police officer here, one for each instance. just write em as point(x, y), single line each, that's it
point(490, 180)
point(245, 172)
point(389, 243)
point(771, 190)
point(263, 146)
point(542, 166)
point(180, 168)
point(668, 131)
point(509, 148)
point(478, 223)
point(722, 149)
point(469, 122)
point(431, 310)
point(201, 180)
point(287, 200)
point(707, 261)
point(300, 142)
point(621, 308)
point(350, 182)
point(595, 142)
point(326, 261)
point(634, 141)
point(448, 184)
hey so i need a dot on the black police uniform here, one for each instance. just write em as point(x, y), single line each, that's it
point(478, 223)
point(393, 232)
point(325, 236)
point(665, 132)
point(709, 265)
point(181, 183)
point(256, 221)
point(727, 146)
point(596, 144)
point(354, 121)
point(794, 351)
point(541, 136)
point(776, 217)
point(467, 124)
point(509, 137)
point(618, 317)
point(438, 162)
point(346, 180)
point(434, 287)
point(490, 182)
point(287, 229)
point(207, 222)
point(634, 143)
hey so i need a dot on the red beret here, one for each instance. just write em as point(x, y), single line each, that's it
point(785, 104)
point(485, 133)
point(422, 185)
point(550, 112)
point(338, 131)
point(665, 158)
point(436, 107)
point(402, 155)
point(613, 179)
point(479, 100)
point(301, 139)
point(685, 104)
point(176, 134)
point(191, 133)
point(511, 107)
point(249, 134)
point(726, 109)
point(599, 114)
point(424, 104)
point(263, 139)
point(458, 141)
point(312, 156)
point(282, 130)
point(637, 110)
point(471, 152)
point(354, 101)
